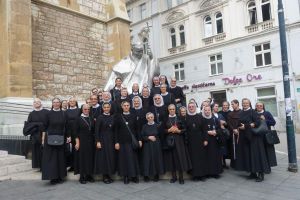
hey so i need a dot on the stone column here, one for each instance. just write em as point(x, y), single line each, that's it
point(118, 26)
point(15, 48)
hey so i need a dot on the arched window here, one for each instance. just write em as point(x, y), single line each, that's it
point(219, 23)
point(182, 35)
point(145, 45)
point(266, 10)
point(252, 13)
point(208, 27)
point(173, 37)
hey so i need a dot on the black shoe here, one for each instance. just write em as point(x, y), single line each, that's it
point(82, 181)
point(156, 178)
point(126, 180)
point(173, 180)
point(107, 180)
point(252, 176)
point(181, 181)
point(146, 179)
point(195, 179)
point(135, 180)
point(201, 178)
point(53, 182)
point(260, 177)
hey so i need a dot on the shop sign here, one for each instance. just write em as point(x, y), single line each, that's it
point(197, 86)
point(238, 80)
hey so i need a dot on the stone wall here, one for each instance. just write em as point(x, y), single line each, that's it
point(69, 53)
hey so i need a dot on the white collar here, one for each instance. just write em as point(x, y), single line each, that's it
point(261, 112)
point(157, 86)
point(96, 106)
point(118, 88)
point(216, 115)
point(56, 110)
point(126, 113)
point(165, 94)
point(123, 97)
point(209, 117)
point(172, 115)
point(151, 123)
point(135, 93)
point(145, 97)
point(192, 114)
point(173, 87)
point(41, 108)
point(106, 113)
point(73, 108)
point(83, 115)
point(247, 109)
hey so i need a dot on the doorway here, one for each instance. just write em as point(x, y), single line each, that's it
point(219, 97)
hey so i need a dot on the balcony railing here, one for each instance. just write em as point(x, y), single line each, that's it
point(214, 39)
point(260, 26)
point(178, 49)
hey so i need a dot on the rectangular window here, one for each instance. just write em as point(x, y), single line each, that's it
point(266, 10)
point(143, 10)
point(179, 71)
point(216, 64)
point(263, 55)
point(268, 97)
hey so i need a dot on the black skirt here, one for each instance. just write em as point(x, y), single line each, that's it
point(105, 158)
point(36, 155)
point(177, 158)
point(84, 157)
point(259, 162)
point(128, 164)
point(53, 162)
point(152, 158)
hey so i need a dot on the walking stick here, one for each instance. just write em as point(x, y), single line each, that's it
point(233, 143)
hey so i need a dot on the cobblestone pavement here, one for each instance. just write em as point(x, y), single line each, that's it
point(280, 184)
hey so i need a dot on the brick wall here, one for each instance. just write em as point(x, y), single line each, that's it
point(68, 53)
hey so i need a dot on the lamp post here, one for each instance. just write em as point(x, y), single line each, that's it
point(290, 132)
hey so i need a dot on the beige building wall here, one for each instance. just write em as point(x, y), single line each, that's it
point(15, 48)
point(60, 47)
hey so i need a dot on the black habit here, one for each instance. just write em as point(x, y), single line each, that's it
point(53, 162)
point(36, 137)
point(84, 159)
point(105, 159)
point(128, 164)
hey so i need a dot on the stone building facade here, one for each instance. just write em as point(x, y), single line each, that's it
point(56, 48)
point(60, 47)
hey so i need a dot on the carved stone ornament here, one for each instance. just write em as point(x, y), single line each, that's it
point(174, 16)
point(209, 3)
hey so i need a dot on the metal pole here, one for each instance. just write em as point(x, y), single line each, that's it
point(290, 132)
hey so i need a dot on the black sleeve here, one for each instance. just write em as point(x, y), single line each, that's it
point(143, 135)
point(117, 128)
point(97, 129)
point(29, 119)
point(76, 127)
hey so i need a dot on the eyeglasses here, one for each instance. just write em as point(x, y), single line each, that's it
point(156, 98)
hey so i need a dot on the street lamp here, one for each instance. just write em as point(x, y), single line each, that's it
point(290, 132)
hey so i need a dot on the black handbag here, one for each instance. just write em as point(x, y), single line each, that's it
point(170, 140)
point(261, 129)
point(134, 143)
point(272, 137)
point(55, 139)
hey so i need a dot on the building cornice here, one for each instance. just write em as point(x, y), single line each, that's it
point(232, 41)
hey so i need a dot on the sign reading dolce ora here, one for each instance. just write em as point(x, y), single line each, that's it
point(238, 80)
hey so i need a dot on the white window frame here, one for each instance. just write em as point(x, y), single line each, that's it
point(182, 32)
point(274, 96)
point(270, 10)
point(248, 12)
point(262, 52)
point(216, 24)
point(143, 11)
point(171, 36)
point(215, 62)
point(206, 23)
point(180, 68)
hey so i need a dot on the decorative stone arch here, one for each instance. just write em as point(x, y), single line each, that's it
point(175, 16)
point(208, 4)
